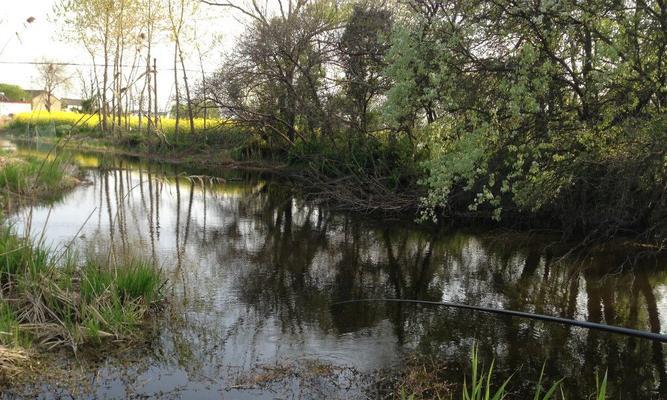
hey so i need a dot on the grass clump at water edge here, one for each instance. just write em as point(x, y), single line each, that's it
point(47, 303)
point(478, 385)
point(31, 176)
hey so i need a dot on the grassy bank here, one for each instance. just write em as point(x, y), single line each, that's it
point(26, 178)
point(48, 299)
point(213, 144)
point(52, 297)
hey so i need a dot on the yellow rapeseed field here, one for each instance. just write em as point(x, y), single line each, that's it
point(167, 125)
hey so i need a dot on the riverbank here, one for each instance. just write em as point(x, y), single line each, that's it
point(219, 158)
point(324, 180)
point(27, 178)
point(342, 181)
point(54, 297)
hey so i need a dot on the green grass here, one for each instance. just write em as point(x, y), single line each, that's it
point(19, 257)
point(480, 382)
point(478, 385)
point(136, 280)
point(10, 334)
point(601, 387)
point(45, 302)
point(29, 175)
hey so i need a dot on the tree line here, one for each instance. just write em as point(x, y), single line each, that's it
point(120, 37)
point(550, 110)
point(545, 111)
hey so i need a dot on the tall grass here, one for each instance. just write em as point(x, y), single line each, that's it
point(31, 175)
point(69, 304)
point(480, 382)
point(479, 385)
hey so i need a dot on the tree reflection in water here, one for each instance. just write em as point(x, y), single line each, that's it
point(255, 270)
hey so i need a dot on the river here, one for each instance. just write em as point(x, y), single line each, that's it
point(254, 270)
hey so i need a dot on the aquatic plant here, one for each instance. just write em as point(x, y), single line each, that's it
point(479, 385)
point(601, 387)
point(480, 381)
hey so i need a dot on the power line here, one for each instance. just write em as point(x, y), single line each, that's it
point(90, 65)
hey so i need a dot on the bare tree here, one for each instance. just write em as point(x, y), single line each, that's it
point(179, 12)
point(52, 76)
point(276, 79)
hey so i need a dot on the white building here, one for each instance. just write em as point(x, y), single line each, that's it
point(9, 108)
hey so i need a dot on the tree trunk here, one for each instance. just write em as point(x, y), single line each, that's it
point(105, 79)
point(187, 89)
point(178, 103)
point(157, 118)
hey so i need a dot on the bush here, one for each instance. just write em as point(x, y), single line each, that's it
point(63, 130)
point(600, 180)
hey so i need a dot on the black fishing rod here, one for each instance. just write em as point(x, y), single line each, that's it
point(583, 324)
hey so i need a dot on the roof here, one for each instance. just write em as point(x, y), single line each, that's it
point(38, 92)
point(71, 102)
point(35, 92)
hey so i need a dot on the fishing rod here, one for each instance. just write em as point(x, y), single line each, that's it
point(566, 321)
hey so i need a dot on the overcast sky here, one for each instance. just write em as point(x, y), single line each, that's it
point(42, 39)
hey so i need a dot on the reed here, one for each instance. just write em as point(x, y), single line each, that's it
point(480, 381)
point(30, 175)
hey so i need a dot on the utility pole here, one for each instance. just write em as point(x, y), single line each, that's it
point(155, 90)
point(149, 121)
point(203, 79)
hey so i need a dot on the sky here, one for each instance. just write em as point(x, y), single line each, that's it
point(22, 43)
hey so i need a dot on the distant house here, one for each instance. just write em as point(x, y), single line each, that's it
point(71, 104)
point(9, 108)
point(39, 100)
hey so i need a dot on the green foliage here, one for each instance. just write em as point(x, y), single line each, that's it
point(389, 157)
point(31, 175)
point(135, 280)
point(70, 304)
point(20, 257)
point(63, 130)
point(10, 334)
point(553, 113)
point(557, 121)
point(480, 382)
point(14, 92)
point(363, 45)
point(548, 394)
point(601, 387)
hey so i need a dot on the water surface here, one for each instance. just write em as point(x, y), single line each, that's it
point(254, 270)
